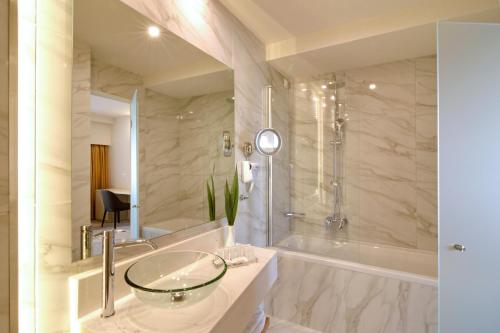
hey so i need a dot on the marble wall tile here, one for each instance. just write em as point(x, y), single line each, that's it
point(389, 154)
point(205, 118)
point(4, 272)
point(4, 108)
point(113, 80)
point(80, 143)
point(427, 216)
point(182, 148)
point(387, 211)
point(210, 27)
point(54, 53)
point(161, 157)
point(4, 167)
point(330, 299)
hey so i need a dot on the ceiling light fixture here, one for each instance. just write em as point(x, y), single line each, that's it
point(372, 86)
point(154, 31)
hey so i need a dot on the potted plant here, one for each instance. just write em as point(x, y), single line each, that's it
point(211, 197)
point(231, 195)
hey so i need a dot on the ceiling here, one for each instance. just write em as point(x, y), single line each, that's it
point(118, 35)
point(307, 37)
point(108, 107)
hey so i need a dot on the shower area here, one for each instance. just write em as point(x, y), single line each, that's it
point(354, 213)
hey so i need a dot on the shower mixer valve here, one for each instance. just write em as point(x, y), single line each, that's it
point(330, 221)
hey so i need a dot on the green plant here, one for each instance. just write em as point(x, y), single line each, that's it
point(231, 199)
point(211, 197)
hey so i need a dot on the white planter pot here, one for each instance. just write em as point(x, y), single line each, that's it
point(230, 236)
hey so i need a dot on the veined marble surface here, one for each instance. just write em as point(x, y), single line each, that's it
point(4, 167)
point(210, 27)
point(331, 299)
point(227, 309)
point(170, 186)
point(389, 154)
point(283, 326)
point(80, 143)
point(182, 146)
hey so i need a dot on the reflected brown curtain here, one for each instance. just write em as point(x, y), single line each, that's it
point(99, 174)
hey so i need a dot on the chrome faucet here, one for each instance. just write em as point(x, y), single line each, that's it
point(330, 220)
point(108, 268)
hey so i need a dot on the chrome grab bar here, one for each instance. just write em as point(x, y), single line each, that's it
point(294, 214)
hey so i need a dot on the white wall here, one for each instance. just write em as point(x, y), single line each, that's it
point(100, 133)
point(119, 153)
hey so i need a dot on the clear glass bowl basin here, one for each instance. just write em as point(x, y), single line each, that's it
point(175, 279)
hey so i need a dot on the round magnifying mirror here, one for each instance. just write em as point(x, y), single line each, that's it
point(268, 141)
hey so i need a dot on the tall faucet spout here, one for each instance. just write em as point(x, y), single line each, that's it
point(108, 268)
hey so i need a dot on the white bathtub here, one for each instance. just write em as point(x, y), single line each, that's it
point(344, 287)
point(378, 259)
point(158, 229)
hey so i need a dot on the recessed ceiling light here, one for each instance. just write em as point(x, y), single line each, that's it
point(323, 86)
point(154, 31)
point(332, 97)
point(304, 89)
point(372, 86)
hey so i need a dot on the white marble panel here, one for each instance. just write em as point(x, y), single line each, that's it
point(113, 80)
point(4, 272)
point(389, 151)
point(161, 157)
point(282, 326)
point(4, 108)
point(80, 143)
point(4, 168)
point(427, 227)
point(54, 52)
point(210, 27)
point(331, 299)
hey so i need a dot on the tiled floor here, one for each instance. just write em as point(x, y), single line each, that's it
point(282, 326)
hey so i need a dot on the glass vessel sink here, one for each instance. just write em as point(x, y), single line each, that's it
point(175, 279)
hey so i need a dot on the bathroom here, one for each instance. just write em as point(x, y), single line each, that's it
point(292, 167)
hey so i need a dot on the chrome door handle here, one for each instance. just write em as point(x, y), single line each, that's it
point(458, 247)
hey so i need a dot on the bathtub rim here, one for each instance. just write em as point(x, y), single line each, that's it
point(362, 268)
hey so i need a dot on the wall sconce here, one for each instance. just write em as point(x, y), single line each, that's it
point(247, 150)
point(227, 145)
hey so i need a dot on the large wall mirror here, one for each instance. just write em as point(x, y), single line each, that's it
point(152, 120)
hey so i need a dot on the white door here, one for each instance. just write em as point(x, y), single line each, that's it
point(134, 168)
point(469, 177)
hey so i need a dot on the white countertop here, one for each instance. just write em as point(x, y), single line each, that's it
point(227, 309)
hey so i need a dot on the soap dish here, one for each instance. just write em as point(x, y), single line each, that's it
point(238, 255)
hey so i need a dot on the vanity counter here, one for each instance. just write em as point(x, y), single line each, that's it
point(228, 309)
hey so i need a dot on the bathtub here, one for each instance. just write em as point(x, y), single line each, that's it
point(354, 287)
point(395, 260)
point(158, 229)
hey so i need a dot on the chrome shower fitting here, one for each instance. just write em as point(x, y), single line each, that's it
point(330, 221)
point(337, 181)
